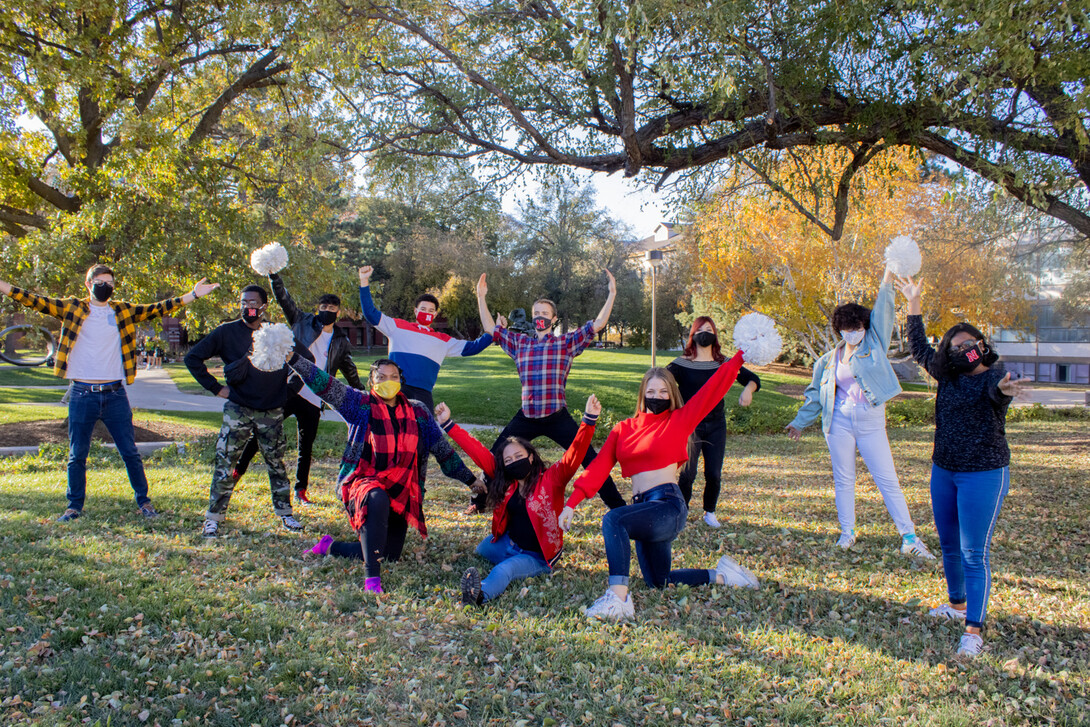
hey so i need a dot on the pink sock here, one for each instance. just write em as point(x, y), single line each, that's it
point(373, 585)
point(322, 546)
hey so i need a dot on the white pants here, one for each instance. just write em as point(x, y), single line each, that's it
point(863, 427)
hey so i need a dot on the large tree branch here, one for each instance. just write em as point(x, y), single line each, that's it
point(261, 70)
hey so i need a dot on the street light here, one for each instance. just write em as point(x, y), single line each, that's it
point(653, 258)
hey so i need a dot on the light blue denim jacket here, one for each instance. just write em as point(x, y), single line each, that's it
point(870, 365)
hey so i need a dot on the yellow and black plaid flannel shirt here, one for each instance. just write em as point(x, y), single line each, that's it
point(73, 311)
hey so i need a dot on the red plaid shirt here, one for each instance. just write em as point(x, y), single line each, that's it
point(543, 365)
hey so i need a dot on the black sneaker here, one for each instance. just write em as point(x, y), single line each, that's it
point(148, 511)
point(471, 588)
point(69, 515)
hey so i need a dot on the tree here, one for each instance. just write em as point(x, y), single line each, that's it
point(760, 254)
point(658, 88)
point(167, 139)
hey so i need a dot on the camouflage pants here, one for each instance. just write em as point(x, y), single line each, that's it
point(266, 426)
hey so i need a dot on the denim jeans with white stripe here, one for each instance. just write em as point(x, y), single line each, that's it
point(966, 506)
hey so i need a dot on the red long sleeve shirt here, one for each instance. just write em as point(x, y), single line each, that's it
point(652, 441)
point(544, 503)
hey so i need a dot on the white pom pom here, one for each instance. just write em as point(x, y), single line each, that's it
point(271, 346)
point(903, 256)
point(269, 259)
point(756, 336)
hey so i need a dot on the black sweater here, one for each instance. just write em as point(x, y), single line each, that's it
point(249, 386)
point(970, 412)
point(691, 375)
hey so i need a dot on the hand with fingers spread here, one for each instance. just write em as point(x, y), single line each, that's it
point(913, 292)
point(203, 288)
point(1013, 387)
point(794, 432)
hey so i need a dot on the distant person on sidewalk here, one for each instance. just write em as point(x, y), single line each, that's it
point(332, 353)
point(254, 408)
point(543, 362)
point(97, 350)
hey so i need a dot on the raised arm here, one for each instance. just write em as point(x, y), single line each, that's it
point(458, 347)
point(50, 306)
point(487, 322)
point(922, 352)
point(350, 403)
point(477, 452)
point(603, 315)
point(284, 299)
point(367, 303)
point(565, 469)
point(713, 390)
point(143, 312)
point(882, 315)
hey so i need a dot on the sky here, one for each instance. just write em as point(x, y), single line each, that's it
point(631, 202)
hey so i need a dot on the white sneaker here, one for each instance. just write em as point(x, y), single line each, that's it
point(609, 607)
point(915, 547)
point(971, 645)
point(734, 574)
point(710, 521)
point(211, 529)
point(947, 611)
point(291, 523)
point(847, 540)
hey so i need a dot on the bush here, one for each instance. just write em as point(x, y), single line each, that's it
point(910, 412)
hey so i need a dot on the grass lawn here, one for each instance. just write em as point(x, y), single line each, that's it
point(39, 394)
point(27, 376)
point(114, 620)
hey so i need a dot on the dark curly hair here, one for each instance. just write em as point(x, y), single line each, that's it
point(497, 485)
point(850, 316)
point(942, 352)
point(379, 364)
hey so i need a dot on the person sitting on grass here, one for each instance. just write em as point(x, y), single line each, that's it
point(389, 438)
point(970, 464)
point(525, 497)
point(650, 447)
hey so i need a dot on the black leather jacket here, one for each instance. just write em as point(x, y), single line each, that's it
point(307, 328)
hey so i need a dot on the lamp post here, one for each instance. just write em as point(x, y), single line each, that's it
point(653, 258)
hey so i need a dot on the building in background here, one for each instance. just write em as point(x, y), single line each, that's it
point(1054, 349)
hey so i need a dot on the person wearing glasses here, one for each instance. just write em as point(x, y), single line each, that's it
point(970, 463)
point(849, 391)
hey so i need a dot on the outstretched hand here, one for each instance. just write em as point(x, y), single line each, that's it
point(612, 283)
point(203, 288)
point(365, 275)
point(1012, 387)
point(442, 413)
point(565, 518)
point(913, 292)
point(594, 407)
point(482, 286)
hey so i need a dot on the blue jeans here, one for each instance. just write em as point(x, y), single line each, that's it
point(653, 520)
point(966, 506)
point(85, 408)
point(512, 563)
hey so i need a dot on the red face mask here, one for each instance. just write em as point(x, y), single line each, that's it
point(424, 318)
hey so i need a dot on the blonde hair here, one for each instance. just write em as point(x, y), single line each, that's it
point(671, 385)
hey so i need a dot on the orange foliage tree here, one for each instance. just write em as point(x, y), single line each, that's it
point(760, 253)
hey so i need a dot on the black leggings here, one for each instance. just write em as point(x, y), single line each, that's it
point(709, 439)
point(382, 537)
point(307, 417)
point(561, 428)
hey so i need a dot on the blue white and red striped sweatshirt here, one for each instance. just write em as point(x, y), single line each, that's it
point(417, 349)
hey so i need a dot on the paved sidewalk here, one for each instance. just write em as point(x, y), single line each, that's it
point(1052, 397)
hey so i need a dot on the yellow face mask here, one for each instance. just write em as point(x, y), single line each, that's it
point(387, 389)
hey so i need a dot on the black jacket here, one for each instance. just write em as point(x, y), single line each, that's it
point(307, 328)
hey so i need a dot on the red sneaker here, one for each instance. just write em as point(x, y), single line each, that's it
point(302, 499)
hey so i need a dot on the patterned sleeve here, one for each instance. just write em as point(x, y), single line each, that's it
point(153, 310)
point(509, 340)
point(55, 307)
point(352, 404)
point(579, 339)
point(449, 461)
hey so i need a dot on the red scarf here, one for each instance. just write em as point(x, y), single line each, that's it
point(389, 461)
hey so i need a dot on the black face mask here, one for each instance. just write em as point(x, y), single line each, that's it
point(542, 323)
point(102, 291)
point(251, 315)
point(704, 339)
point(656, 406)
point(962, 362)
point(517, 470)
point(325, 317)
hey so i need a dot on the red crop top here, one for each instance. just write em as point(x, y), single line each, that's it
point(652, 441)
